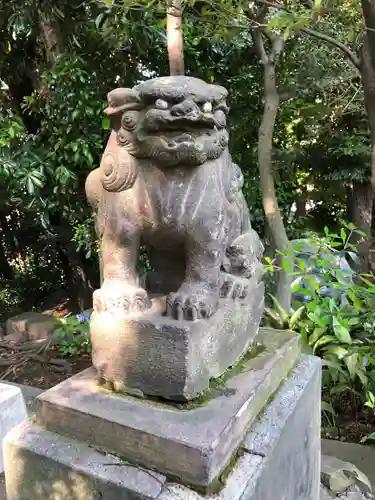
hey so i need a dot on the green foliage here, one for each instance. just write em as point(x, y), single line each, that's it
point(42, 175)
point(71, 102)
point(53, 132)
point(336, 311)
point(73, 335)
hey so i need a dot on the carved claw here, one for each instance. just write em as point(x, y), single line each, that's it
point(117, 297)
point(234, 287)
point(191, 305)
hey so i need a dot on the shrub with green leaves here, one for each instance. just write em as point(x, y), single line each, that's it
point(334, 311)
point(73, 335)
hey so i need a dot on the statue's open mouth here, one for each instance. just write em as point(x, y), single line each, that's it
point(173, 148)
point(193, 136)
point(160, 121)
point(180, 135)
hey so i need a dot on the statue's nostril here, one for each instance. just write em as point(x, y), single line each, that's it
point(184, 108)
point(179, 110)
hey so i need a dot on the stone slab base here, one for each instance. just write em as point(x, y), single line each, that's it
point(279, 458)
point(160, 356)
point(281, 454)
point(201, 439)
point(12, 412)
point(41, 465)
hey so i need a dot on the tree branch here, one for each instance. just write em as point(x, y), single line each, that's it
point(309, 4)
point(259, 44)
point(274, 5)
point(335, 43)
point(321, 36)
point(228, 26)
point(259, 18)
point(277, 48)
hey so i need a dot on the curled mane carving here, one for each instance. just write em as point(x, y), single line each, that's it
point(118, 172)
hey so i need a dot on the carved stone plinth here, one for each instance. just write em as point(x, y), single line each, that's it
point(160, 356)
point(192, 444)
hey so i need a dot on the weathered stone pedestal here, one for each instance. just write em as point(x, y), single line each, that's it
point(150, 353)
point(254, 436)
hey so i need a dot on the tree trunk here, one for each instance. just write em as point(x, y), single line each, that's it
point(6, 270)
point(76, 273)
point(175, 39)
point(363, 194)
point(267, 185)
point(368, 75)
point(79, 286)
point(301, 205)
point(368, 9)
point(349, 203)
point(52, 36)
point(362, 202)
point(265, 143)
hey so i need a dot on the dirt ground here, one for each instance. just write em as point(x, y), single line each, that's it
point(37, 374)
point(41, 376)
point(352, 422)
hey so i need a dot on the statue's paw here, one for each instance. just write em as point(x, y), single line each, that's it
point(119, 387)
point(240, 263)
point(191, 304)
point(120, 298)
point(234, 287)
point(244, 254)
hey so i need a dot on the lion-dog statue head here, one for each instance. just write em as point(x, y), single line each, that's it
point(171, 123)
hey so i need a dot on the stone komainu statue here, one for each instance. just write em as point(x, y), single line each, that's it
point(167, 181)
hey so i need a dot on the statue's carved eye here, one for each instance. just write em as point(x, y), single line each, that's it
point(161, 104)
point(207, 107)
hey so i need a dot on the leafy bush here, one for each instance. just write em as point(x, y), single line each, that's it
point(74, 335)
point(334, 311)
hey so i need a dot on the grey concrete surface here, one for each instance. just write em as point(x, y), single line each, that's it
point(192, 446)
point(282, 451)
point(286, 468)
point(39, 465)
point(29, 394)
point(288, 436)
point(338, 476)
point(362, 456)
point(30, 326)
point(12, 412)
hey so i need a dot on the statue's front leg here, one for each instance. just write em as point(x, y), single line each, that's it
point(120, 292)
point(114, 303)
point(198, 296)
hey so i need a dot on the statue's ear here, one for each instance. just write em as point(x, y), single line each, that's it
point(122, 99)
